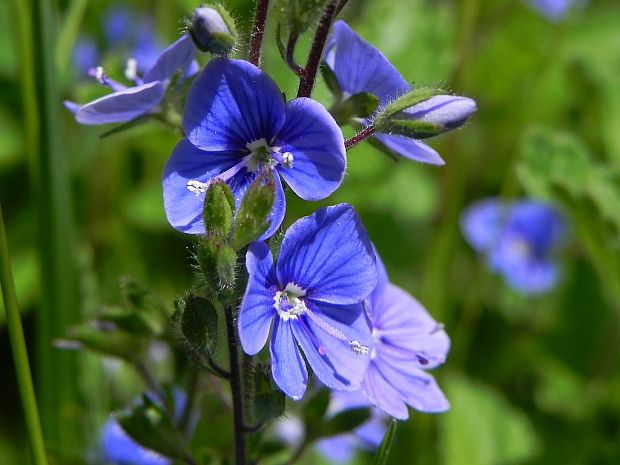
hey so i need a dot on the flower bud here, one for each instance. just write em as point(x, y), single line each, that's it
point(253, 216)
point(213, 30)
point(219, 209)
point(447, 111)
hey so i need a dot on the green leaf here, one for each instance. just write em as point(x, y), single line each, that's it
point(131, 321)
point(343, 422)
point(361, 105)
point(151, 427)
point(386, 444)
point(299, 15)
point(114, 342)
point(198, 324)
point(482, 428)
point(269, 402)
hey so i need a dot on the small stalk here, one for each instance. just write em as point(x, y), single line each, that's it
point(258, 31)
point(308, 75)
point(290, 55)
point(359, 137)
point(20, 354)
point(236, 388)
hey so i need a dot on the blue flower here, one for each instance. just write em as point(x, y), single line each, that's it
point(118, 448)
point(360, 67)
point(553, 10)
point(368, 436)
point(85, 55)
point(518, 240)
point(312, 299)
point(407, 342)
point(237, 124)
point(127, 103)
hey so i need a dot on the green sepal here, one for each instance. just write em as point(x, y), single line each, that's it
point(412, 128)
point(253, 216)
point(411, 98)
point(151, 427)
point(206, 256)
point(219, 43)
point(226, 265)
point(361, 105)
point(219, 210)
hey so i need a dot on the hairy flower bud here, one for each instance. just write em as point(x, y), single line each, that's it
point(219, 209)
point(213, 30)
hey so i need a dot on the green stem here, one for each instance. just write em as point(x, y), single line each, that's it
point(20, 354)
point(57, 372)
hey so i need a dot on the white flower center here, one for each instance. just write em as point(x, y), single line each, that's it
point(288, 303)
point(261, 154)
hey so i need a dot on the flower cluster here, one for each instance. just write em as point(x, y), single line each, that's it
point(517, 239)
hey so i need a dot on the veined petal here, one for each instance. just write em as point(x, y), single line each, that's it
point(410, 148)
point(383, 395)
point(329, 255)
point(257, 309)
point(316, 144)
point(449, 111)
point(177, 57)
point(360, 67)
point(230, 104)
point(287, 365)
point(416, 387)
point(122, 106)
point(482, 223)
point(338, 346)
point(187, 163)
point(405, 329)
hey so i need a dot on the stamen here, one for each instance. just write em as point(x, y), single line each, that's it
point(358, 347)
point(197, 187)
point(100, 75)
point(131, 70)
point(421, 360)
point(321, 349)
point(287, 159)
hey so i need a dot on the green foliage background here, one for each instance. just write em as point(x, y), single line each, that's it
point(531, 380)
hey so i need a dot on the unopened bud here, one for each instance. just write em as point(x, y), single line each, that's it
point(213, 30)
point(226, 263)
point(253, 216)
point(219, 210)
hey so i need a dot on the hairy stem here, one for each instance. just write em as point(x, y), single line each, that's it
point(20, 354)
point(308, 75)
point(359, 137)
point(258, 31)
point(236, 388)
point(290, 55)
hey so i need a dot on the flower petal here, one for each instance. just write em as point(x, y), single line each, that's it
point(287, 365)
point(360, 67)
point(122, 106)
point(416, 387)
point(338, 449)
point(189, 163)
point(449, 111)
point(314, 139)
point(410, 148)
point(230, 104)
point(257, 309)
point(71, 106)
point(526, 274)
point(332, 359)
point(177, 57)
point(383, 395)
point(405, 329)
point(482, 223)
point(329, 255)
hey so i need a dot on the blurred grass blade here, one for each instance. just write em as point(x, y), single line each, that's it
point(20, 354)
point(57, 373)
point(69, 32)
point(386, 444)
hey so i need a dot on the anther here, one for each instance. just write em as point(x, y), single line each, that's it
point(197, 187)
